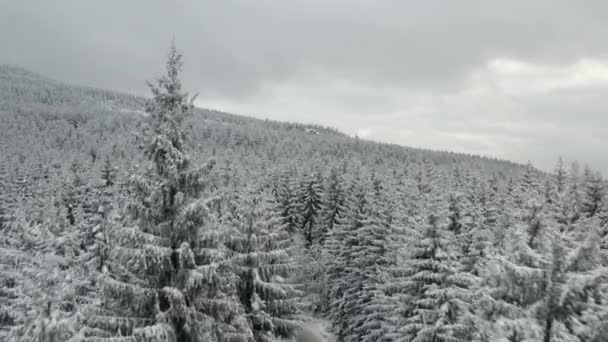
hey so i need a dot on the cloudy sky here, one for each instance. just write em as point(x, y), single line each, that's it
point(521, 80)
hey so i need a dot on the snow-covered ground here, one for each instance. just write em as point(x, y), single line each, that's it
point(320, 327)
point(315, 330)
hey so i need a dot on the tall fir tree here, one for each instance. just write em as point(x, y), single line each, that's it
point(156, 290)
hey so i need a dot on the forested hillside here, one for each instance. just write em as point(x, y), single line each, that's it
point(131, 219)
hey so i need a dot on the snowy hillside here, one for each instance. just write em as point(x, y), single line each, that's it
point(126, 219)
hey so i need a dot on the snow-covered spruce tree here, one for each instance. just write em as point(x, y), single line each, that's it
point(260, 245)
point(476, 242)
point(554, 279)
point(286, 197)
point(39, 283)
point(108, 172)
point(92, 232)
point(504, 224)
point(489, 200)
point(374, 261)
point(440, 295)
point(220, 298)
point(549, 192)
point(464, 226)
point(92, 237)
point(593, 193)
point(339, 256)
point(575, 192)
point(311, 274)
point(85, 207)
point(510, 187)
point(155, 290)
point(541, 289)
point(560, 176)
point(15, 267)
point(424, 177)
point(310, 205)
point(529, 180)
point(376, 184)
point(4, 193)
point(514, 280)
point(535, 224)
point(274, 184)
point(334, 198)
point(72, 197)
point(455, 215)
point(602, 217)
point(561, 213)
point(575, 306)
point(49, 325)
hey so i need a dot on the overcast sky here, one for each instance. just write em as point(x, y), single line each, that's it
point(520, 80)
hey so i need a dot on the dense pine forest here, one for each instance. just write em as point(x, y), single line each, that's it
point(132, 219)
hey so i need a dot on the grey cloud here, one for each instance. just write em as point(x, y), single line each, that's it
point(234, 46)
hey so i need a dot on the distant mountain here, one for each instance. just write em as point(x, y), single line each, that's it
point(26, 93)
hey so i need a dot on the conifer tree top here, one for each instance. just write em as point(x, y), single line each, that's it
point(167, 110)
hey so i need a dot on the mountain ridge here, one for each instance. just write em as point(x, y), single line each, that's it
point(45, 89)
